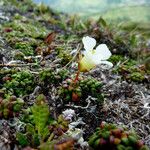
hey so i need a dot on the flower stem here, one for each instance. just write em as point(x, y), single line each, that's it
point(51, 137)
point(77, 75)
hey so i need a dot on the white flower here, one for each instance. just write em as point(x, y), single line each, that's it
point(68, 114)
point(93, 57)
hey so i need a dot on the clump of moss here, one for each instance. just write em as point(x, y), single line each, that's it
point(66, 57)
point(26, 29)
point(24, 6)
point(70, 91)
point(6, 75)
point(25, 47)
point(92, 87)
point(20, 83)
point(116, 58)
point(76, 90)
point(51, 76)
point(110, 136)
point(136, 76)
point(131, 71)
point(24, 35)
point(47, 75)
point(63, 51)
point(19, 55)
point(10, 107)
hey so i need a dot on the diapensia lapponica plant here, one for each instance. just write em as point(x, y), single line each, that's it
point(89, 59)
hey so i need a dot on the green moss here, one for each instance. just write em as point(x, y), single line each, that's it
point(19, 81)
point(26, 29)
point(49, 76)
point(23, 6)
point(116, 58)
point(66, 57)
point(136, 76)
point(63, 52)
point(92, 87)
point(71, 91)
point(6, 75)
point(110, 136)
point(22, 139)
point(10, 106)
point(24, 35)
point(19, 55)
point(25, 47)
point(129, 70)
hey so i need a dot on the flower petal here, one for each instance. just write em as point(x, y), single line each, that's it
point(109, 64)
point(86, 63)
point(96, 59)
point(103, 52)
point(89, 43)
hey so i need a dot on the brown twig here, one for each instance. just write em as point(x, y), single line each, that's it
point(16, 65)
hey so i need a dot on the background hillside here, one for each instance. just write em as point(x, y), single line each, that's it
point(110, 9)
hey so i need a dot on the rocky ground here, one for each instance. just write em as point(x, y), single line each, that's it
point(38, 63)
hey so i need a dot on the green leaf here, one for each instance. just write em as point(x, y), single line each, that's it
point(102, 22)
point(22, 139)
point(41, 115)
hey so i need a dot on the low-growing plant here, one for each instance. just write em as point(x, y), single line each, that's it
point(36, 131)
point(62, 143)
point(41, 116)
point(10, 107)
point(66, 57)
point(51, 76)
point(20, 83)
point(21, 29)
point(6, 75)
point(25, 47)
point(132, 72)
point(110, 136)
point(42, 128)
point(72, 90)
point(116, 58)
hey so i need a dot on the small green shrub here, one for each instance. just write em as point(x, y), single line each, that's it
point(110, 136)
point(116, 58)
point(50, 76)
point(41, 116)
point(10, 107)
point(130, 71)
point(42, 128)
point(21, 83)
point(22, 139)
point(83, 88)
point(25, 48)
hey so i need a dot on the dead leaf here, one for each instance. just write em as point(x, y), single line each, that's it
point(68, 144)
point(50, 38)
